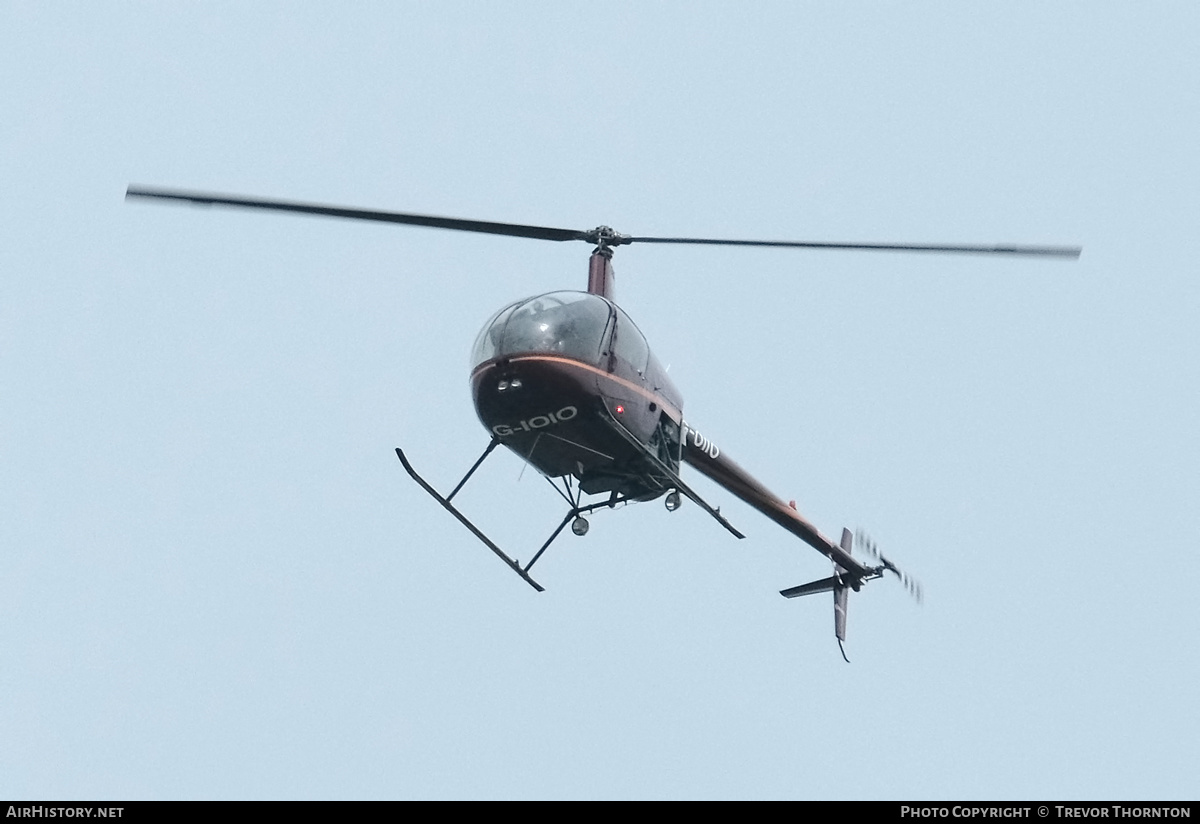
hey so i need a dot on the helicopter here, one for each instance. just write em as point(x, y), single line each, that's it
point(567, 382)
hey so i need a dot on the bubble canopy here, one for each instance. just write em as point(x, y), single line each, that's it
point(570, 324)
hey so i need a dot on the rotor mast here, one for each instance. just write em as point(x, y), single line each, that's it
point(601, 278)
point(600, 272)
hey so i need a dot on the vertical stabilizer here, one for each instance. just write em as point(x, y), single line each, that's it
point(841, 594)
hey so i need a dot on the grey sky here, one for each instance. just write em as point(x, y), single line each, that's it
point(219, 583)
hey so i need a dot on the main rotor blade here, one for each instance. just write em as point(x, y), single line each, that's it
point(996, 249)
point(601, 235)
point(458, 224)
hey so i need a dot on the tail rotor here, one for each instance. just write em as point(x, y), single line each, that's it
point(867, 545)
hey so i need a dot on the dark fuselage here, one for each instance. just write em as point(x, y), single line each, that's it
point(567, 382)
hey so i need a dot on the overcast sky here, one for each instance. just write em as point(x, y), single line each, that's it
point(219, 583)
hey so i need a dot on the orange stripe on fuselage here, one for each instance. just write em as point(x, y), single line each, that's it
point(673, 413)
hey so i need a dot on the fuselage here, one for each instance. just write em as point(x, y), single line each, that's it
point(556, 376)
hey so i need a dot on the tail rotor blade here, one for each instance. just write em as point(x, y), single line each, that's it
point(911, 585)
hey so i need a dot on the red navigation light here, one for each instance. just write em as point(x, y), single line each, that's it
point(620, 409)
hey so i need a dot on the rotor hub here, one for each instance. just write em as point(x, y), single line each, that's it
point(605, 237)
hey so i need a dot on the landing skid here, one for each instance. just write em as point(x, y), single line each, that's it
point(445, 502)
point(572, 496)
point(672, 477)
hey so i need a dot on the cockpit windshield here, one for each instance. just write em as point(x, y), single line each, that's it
point(571, 324)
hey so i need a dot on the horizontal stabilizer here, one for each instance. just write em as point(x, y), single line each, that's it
point(823, 585)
